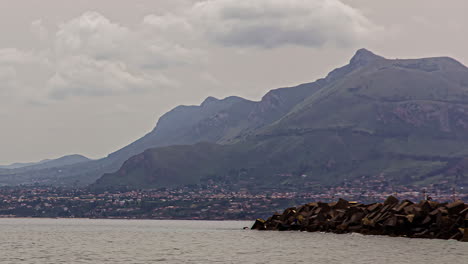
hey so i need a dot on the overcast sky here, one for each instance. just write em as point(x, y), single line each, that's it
point(91, 76)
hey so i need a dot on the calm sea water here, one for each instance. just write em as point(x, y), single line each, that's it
point(146, 241)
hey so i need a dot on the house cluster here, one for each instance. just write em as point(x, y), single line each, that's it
point(214, 202)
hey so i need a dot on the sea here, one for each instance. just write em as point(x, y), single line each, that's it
point(42, 241)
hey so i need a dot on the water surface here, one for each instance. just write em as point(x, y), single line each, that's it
point(149, 241)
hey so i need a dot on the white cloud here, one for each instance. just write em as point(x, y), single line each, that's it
point(91, 55)
point(169, 24)
point(273, 23)
point(156, 41)
point(97, 57)
point(92, 35)
point(80, 75)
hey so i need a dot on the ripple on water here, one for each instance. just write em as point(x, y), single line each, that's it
point(122, 241)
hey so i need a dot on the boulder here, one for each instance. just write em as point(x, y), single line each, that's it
point(464, 213)
point(456, 207)
point(341, 204)
point(427, 219)
point(425, 206)
point(410, 218)
point(356, 218)
point(402, 206)
point(465, 235)
point(367, 222)
point(391, 200)
point(391, 222)
point(374, 207)
point(259, 224)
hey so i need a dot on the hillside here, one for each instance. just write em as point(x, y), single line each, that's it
point(19, 173)
point(20, 165)
point(217, 121)
point(47, 163)
point(405, 119)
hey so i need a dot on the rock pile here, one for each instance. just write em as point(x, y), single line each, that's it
point(427, 219)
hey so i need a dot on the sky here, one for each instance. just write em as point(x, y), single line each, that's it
point(89, 77)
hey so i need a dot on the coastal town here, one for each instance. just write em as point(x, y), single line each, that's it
point(203, 202)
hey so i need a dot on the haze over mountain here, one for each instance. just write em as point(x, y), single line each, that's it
point(20, 165)
point(405, 119)
point(28, 173)
point(47, 163)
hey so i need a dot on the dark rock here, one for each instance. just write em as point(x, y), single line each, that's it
point(456, 207)
point(259, 224)
point(457, 236)
point(435, 212)
point(391, 200)
point(465, 235)
point(427, 219)
point(391, 222)
point(410, 218)
point(367, 222)
point(373, 207)
point(464, 213)
point(425, 206)
point(356, 218)
point(402, 206)
point(341, 204)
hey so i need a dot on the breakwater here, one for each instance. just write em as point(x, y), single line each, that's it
point(426, 219)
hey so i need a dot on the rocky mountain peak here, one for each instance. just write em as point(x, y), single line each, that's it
point(364, 56)
point(209, 100)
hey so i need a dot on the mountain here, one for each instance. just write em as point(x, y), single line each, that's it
point(24, 173)
point(21, 165)
point(47, 163)
point(218, 121)
point(405, 119)
point(54, 163)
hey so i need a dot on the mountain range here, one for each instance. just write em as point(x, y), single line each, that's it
point(26, 173)
point(47, 163)
point(404, 119)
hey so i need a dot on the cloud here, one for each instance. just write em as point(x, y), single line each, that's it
point(169, 24)
point(84, 76)
point(92, 35)
point(274, 23)
point(91, 55)
point(96, 57)
point(155, 42)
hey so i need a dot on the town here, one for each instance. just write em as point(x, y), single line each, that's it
point(203, 202)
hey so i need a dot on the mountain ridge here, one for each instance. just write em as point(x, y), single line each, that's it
point(368, 84)
point(73, 158)
point(403, 118)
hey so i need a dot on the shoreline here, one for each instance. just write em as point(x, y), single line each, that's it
point(148, 219)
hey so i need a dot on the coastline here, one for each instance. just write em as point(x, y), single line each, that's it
point(148, 219)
